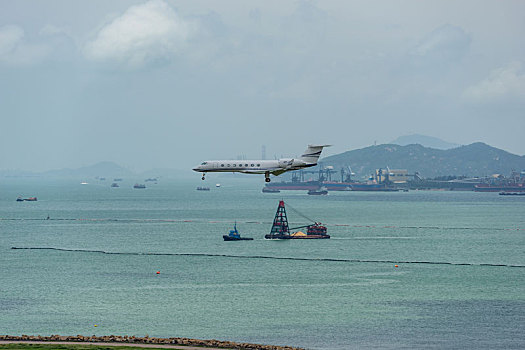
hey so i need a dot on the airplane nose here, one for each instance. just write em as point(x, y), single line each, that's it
point(196, 169)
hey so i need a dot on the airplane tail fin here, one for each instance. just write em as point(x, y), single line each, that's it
point(312, 153)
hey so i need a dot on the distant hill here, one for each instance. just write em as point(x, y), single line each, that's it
point(103, 169)
point(108, 170)
point(426, 141)
point(477, 159)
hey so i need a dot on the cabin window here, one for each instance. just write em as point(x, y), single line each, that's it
point(246, 165)
point(234, 165)
point(228, 165)
point(240, 165)
point(222, 165)
point(258, 165)
point(253, 165)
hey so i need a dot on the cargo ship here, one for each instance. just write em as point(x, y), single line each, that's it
point(329, 186)
point(517, 187)
point(281, 230)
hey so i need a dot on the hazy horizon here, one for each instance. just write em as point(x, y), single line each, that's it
point(167, 84)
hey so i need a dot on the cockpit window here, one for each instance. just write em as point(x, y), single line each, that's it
point(204, 163)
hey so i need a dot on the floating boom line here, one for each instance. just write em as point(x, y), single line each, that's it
point(268, 257)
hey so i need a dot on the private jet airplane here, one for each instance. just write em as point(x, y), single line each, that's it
point(266, 167)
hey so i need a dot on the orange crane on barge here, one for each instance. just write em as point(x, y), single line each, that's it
point(281, 230)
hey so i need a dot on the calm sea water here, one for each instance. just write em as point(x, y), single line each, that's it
point(357, 300)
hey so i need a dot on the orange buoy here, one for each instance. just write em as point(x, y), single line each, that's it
point(396, 265)
point(158, 272)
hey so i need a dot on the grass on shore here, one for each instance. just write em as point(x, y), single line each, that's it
point(65, 347)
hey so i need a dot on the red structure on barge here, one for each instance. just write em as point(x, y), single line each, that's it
point(281, 230)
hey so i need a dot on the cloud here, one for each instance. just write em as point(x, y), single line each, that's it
point(146, 33)
point(16, 50)
point(10, 37)
point(446, 43)
point(504, 82)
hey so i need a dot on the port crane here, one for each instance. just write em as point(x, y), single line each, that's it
point(323, 174)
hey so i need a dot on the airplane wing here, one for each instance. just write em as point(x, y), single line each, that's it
point(252, 171)
point(279, 172)
point(274, 171)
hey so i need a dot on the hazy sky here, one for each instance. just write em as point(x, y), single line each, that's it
point(164, 83)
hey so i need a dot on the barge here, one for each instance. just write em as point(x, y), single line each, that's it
point(281, 230)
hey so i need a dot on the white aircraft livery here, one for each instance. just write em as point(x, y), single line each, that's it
point(266, 167)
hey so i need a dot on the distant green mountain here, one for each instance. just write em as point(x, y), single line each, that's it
point(477, 159)
point(426, 141)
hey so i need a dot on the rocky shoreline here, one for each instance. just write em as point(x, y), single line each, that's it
point(125, 340)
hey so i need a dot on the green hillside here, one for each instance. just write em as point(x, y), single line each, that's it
point(477, 159)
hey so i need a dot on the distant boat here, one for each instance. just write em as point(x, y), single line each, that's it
point(320, 192)
point(217, 185)
point(152, 179)
point(234, 235)
point(117, 179)
point(512, 193)
point(30, 199)
point(139, 186)
point(270, 190)
point(114, 184)
point(203, 188)
point(84, 183)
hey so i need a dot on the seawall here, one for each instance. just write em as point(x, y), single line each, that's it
point(125, 340)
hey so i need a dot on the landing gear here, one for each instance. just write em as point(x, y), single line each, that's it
point(203, 178)
point(267, 176)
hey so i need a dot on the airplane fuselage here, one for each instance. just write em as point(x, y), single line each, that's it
point(251, 166)
point(266, 167)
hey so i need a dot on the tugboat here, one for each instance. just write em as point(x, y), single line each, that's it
point(234, 235)
point(280, 229)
